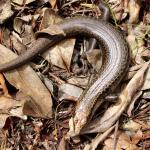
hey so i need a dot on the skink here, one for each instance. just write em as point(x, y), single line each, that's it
point(115, 59)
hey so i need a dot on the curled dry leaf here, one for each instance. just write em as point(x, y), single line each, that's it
point(5, 10)
point(131, 106)
point(134, 15)
point(112, 114)
point(10, 107)
point(18, 25)
point(26, 80)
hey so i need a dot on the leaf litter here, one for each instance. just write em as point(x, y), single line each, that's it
point(53, 88)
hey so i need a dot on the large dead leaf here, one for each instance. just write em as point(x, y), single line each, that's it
point(61, 54)
point(26, 80)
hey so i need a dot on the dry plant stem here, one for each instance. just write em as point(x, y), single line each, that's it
point(100, 138)
point(115, 135)
point(58, 80)
point(69, 3)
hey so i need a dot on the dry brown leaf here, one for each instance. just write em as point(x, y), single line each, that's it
point(99, 138)
point(131, 38)
point(52, 30)
point(62, 144)
point(137, 137)
point(28, 35)
point(49, 18)
point(118, 10)
point(3, 118)
point(136, 41)
point(146, 95)
point(131, 106)
point(61, 54)
point(123, 142)
point(17, 44)
point(19, 2)
point(134, 9)
point(131, 126)
point(80, 81)
point(129, 75)
point(94, 57)
point(101, 124)
point(146, 54)
point(68, 91)
point(53, 3)
point(18, 25)
point(10, 107)
point(146, 85)
point(26, 80)
point(5, 10)
point(3, 85)
point(5, 37)
point(24, 30)
point(29, 1)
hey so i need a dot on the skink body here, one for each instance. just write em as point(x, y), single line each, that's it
point(115, 59)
